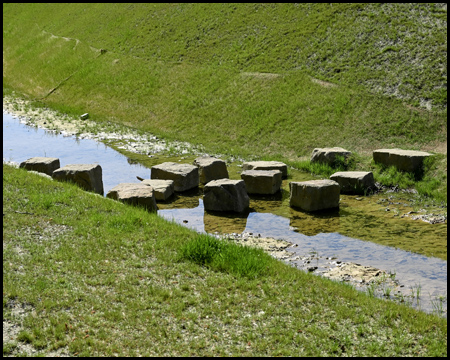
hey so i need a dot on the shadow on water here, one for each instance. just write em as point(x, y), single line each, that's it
point(367, 230)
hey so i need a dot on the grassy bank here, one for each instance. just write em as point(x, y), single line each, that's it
point(86, 275)
point(239, 78)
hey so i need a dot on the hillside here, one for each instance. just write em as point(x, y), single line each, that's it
point(270, 79)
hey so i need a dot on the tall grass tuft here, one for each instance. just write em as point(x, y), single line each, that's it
point(226, 257)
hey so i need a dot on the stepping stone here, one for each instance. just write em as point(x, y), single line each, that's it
point(354, 182)
point(44, 165)
point(87, 176)
point(134, 194)
point(210, 168)
point(226, 195)
point(184, 176)
point(328, 155)
point(406, 160)
point(314, 195)
point(262, 181)
point(163, 189)
point(266, 165)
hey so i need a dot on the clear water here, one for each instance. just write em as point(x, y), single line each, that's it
point(21, 142)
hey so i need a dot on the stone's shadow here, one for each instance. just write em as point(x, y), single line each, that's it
point(313, 223)
point(182, 200)
point(278, 196)
point(225, 222)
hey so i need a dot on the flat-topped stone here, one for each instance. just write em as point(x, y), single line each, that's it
point(44, 165)
point(184, 176)
point(163, 189)
point(226, 195)
point(210, 168)
point(134, 194)
point(328, 155)
point(314, 195)
point(87, 176)
point(354, 182)
point(262, 181)
point(266, 165)
point(406, 160)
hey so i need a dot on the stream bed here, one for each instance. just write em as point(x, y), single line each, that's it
point(371, 231)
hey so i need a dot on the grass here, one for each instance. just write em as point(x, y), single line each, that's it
point(95, 277)
point(232, 77)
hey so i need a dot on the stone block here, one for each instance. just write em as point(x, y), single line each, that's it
point(328, 155)
point(184, 176)
point(134, 194)
point(314, 195)
point(226, 195)
point(354, 182)
point(262, 181)
point(163, 189)
point(87, 176)
point(44, 165)
point(210, 168)
point(266, 165)
point(405, 160)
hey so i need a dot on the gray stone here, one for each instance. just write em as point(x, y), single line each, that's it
point(328, 155)
point(406, 160)
point(314, 195)
point(44, 165)
point(262, 181)
point(266, 165)
point(184, 176)
point(87, 176)
point(354, 182)
point(210, 168)
point(226, 195)
point(163, 189)
point(134, 194)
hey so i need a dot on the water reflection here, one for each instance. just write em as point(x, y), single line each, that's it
point(311, 224)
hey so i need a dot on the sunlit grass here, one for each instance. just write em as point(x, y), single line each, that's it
point(95, 277)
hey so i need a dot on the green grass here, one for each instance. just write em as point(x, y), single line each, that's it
point(236, 78)
point(94, 277)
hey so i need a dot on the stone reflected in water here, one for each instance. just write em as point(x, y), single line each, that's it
point(311, 224)
point(225, 223)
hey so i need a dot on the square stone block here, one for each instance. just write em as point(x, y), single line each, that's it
point(354, 182)
point(184, 176)
point(405, 160)
point(314, 195)
point(210, 168)
point(226, 195)
point(87, 176)
point(266, 165)
point(134, 194)
point(44, 165)
point(328, 155)
point(163, 189)
point(262, 181)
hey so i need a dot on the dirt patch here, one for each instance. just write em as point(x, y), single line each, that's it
point(273, 247)
point(323, 83)
point(353, 272)
point(261, 75)
point(12, 327)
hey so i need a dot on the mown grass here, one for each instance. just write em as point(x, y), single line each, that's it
point(95, 277)
point(236, 78)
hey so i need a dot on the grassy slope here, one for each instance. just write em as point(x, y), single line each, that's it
point(98, 278)
point(184, 71)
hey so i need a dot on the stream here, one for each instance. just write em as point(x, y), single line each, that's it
point(365, 230)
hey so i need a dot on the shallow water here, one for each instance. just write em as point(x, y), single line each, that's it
point(358, 232)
